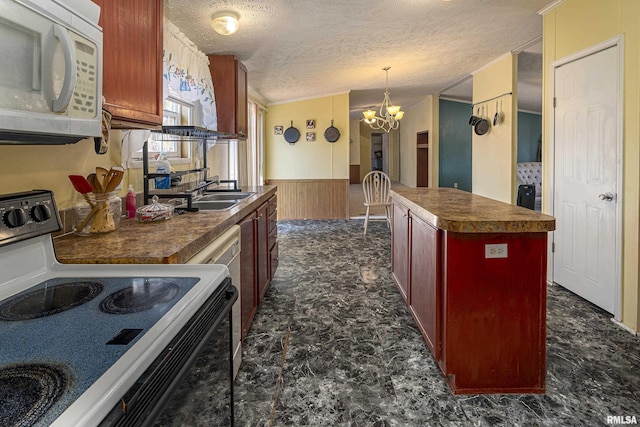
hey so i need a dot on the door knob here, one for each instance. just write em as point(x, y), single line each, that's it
point(607, 197)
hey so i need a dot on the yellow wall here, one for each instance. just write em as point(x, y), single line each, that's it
point(419, 118)
point(494, 154)
point(27, 167)
point(308, 160)
point(569, 28)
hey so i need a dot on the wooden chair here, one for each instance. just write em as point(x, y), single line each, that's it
point(376, 186)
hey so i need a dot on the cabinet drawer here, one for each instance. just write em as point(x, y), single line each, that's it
point(274, 260)
point(273, 204)
point(273, 237)
point(273, 221)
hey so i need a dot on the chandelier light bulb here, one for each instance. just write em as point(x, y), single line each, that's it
point(369, 114)
point(225, 23)
point(393, 109)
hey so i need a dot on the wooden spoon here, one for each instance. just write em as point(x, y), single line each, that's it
point(93, 180)
point(114, 178)
point(101, 174)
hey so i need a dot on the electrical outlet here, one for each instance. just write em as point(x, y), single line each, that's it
point(498, 250)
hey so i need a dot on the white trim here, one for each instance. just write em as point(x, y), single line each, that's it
point(527, 45)
point(548, 8)
point(258, 99)
point(456, 83)
point(308, 98)
point(625, 327)
point(448, 98)
point(618, 43)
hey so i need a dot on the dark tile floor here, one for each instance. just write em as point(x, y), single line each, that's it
point(333, 344)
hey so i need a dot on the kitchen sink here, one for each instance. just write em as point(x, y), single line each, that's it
point(218, 201)
point(225, 196)
point(212, 205)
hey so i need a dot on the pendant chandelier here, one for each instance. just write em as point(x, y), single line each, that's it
point(389, 114)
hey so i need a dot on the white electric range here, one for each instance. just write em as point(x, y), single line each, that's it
point(87, 345)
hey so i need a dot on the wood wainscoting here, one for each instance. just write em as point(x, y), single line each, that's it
point(312, 198)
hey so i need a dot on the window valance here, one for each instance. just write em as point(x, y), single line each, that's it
point(186, 74)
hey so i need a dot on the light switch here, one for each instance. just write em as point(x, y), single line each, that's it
point(497, 250)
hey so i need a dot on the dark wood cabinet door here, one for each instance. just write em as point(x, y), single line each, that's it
point(249, 296)
point(241, 100)
point(230, 86)
point(400, 248)
point(132, 61)
point(262, 249)
point(425, 282)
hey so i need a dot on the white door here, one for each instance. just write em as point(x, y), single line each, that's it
point(585, 177)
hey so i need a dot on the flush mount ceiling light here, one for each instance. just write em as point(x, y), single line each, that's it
point(390, 115)
point(225, 23)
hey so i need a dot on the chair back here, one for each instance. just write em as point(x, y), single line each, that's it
point(376, 186)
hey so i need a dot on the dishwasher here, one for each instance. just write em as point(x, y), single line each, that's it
point(226, 250)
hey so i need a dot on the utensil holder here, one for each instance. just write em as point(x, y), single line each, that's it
point(97, 213)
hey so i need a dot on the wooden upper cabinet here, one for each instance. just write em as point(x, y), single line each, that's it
point(132, 61)
point(230, 87)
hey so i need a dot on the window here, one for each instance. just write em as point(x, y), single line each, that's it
point(175, 113)
point(255, 144)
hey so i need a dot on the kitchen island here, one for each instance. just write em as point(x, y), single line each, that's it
point(472, 271)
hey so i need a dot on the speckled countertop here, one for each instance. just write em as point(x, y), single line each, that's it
point(455, 210)
point(169, 242)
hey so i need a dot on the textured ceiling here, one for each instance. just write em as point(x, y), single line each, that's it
point(298, 49)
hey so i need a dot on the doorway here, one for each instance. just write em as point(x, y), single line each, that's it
point(380, 152)
point(586, 145)
point(422, 159)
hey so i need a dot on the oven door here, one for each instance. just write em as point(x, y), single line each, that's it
point(183, 367)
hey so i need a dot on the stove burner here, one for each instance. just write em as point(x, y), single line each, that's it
point(49, 300)
point(143, 295)
point(28, 391)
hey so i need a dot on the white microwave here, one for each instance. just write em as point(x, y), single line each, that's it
point(50, 71)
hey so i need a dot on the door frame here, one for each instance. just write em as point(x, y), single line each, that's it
point(617, 43)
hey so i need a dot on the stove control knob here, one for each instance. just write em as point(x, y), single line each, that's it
point(40, 213)
point(15, 218)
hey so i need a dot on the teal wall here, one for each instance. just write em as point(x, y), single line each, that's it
point(455, 144)
point(529, 134)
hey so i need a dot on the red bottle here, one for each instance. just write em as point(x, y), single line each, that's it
point(131, 202)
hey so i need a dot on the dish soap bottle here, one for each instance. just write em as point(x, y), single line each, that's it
point(131, 202)
point(163, 166)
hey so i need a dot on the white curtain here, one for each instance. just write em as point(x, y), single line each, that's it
point(186, 75)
